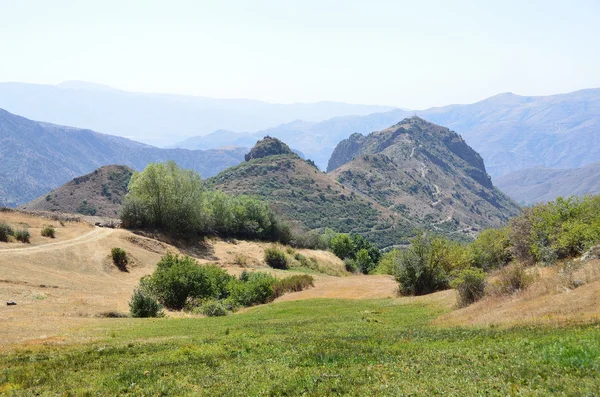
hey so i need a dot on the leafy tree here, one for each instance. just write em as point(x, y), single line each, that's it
point(491, 249)
point(341, 246)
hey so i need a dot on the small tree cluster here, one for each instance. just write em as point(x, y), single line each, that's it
point(358, 253)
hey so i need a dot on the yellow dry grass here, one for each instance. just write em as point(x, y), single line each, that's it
point(551, 299)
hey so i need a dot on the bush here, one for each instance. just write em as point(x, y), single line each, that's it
point(213, 308)
point(276, 258)
point(22, 235)
point(294, 283)
point(350, 265)
point(341, 246)
point(48, 231)
point(491, 249)
point(144, 305)
point(470, 284)
point(5, 232)
point(178, 278)
point(252, 288)
point(511, 279)
point(418, 271)
point(364, 263)
point(119, 257)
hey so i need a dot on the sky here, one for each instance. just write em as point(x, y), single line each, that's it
point(412, 54)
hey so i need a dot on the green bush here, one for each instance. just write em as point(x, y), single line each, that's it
point(350, 265)
point(5, 232)
point(364, 263)
point(419, 272)
point(276, 258)
point(48, 231)
point(119, 258)
point(252, 288)
point(470, 284)
point(213, 308)
point(144, 305)
point(341, 245)
point(178, 278)
point(491, 249)
point(22, 235)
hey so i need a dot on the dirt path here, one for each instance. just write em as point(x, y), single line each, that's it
point(95, 234)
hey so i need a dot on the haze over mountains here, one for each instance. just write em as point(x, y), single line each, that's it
point(157, 119)
point(37, 157)
point(509, 131)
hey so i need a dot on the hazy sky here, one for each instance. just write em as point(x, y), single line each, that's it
point(412, 54)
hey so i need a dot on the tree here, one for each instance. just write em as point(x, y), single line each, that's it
point(341, 246)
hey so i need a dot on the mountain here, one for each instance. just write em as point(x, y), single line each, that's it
point(309, 198)
point(37, 157)
point(425, 172)
point(99, 193)
point(539, 184)
point(315, 139)
point(158, 119)
point(509, 131)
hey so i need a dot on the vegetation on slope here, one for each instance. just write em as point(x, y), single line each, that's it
point(425, 173)
point(99, 193)
point(312, 199)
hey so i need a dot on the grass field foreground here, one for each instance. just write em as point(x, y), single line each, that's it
point(314, 347)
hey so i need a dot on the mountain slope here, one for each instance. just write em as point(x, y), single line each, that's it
point(425, 172)
point(99, 193)
point(158, 119)
point(310, 198)
point(38, 157)
point(545, 184)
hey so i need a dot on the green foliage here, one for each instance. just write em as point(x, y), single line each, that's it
point(48, 231)
point(491, 249)
point(22, 235)
point(213, 308)
point(357, 252)
point(341, 245)
point(419, 269)
point(470, 284)
point(175, 200)
point(143, 304)
point(119, 258)
point(276, 258)
point(252, 289)
point(559, 229)
point(5, 232)
point(178, 278)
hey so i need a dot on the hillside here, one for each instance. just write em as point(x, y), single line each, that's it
point(158, 119)
point(539, 184)
point(38, 157)
point(99, 193)
point(425, 172)
point(511, 132)
point(310, 198)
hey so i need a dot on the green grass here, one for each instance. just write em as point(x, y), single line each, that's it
point(318, 347)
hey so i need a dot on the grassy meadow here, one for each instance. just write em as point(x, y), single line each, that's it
point(313, 347)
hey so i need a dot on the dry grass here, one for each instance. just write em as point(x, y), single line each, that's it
point(551, 299)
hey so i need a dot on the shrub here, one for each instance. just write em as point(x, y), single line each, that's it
point(22, 235)
point(341, 246)
point(119, 257)
point(251, 288)
point(178, 278)
point(276, 258)
point(511, 279)
point(48, 231)
point(491, 249)
point(144, 305)
point(470, 284)
point(213, 308)
point(364, 263)
point(5, 232)
point(350, 265)
point(294, 283)
point(418, 272)
point(389, 262)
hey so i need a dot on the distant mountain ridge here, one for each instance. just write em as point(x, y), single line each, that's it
point(38, 157)
point(509, 131)
point(539, 184)
point(158, 119)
